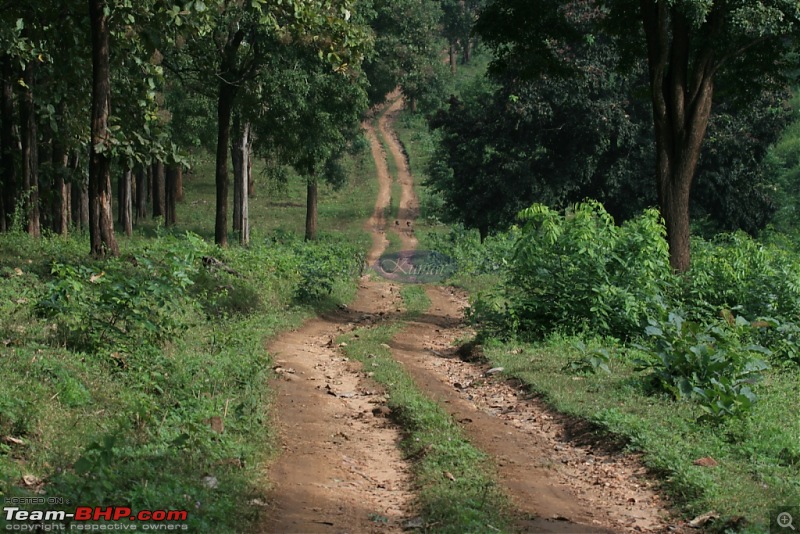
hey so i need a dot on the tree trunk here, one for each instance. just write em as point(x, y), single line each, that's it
point(126, 202)
point(682, 89)
point(171, 194)
point(251, 183)
point(149, 188)
point(227, 93)
point(311, 210)
point(453, 57)
point(61, 189)
point(30, 158)
point(79, 196)
point(158, 190)
point(179, 184)
point(237, 162)
point(240, 157)
point(8, 178)
point(141, 194)
point(467, 57)
point(101, 220)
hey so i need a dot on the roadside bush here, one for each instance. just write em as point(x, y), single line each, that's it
point(578, 271)
point(121, 305)
point(472, 256)
point(707, 364)
point(736, 272)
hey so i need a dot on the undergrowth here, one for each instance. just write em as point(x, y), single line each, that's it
point(140, 381)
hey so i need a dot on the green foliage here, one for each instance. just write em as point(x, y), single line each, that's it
point(591, 360)
point(734, 271)
point(559, 123)
point(407, 51)
point(707, 364)
point(580, 271)
point(320, 265)
point(119, 308)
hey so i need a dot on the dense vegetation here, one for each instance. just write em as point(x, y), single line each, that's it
point(137, 375)
point(141, 380)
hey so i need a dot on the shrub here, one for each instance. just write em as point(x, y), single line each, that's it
point(119, 305)
point(736, 272)
point(707, 364)
point(578, 271)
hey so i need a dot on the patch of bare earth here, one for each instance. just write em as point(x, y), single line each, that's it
point(341, 469)
point(559, 477)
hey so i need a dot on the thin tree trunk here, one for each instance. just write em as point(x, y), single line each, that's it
point(237, 162)
point(79, 195)
point(8, 178)
point(171, 194)
point(227, 93)
point(311, 210)
point(30, 158)
point(149, 185)
point(467, 57)
point(141, 194)
point(244, 210)
point(251, 182)
point(60, 167)
point(179, 184)
point(159, 179)
point(453, 57)
point(101, 220)
point(240, 157)
point(126, 202)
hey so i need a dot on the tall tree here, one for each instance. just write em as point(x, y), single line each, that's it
point(692, 48)
point(101, 220)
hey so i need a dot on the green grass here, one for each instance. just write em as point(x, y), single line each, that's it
point(759, 456)
point(134, 424)
point(471, 500)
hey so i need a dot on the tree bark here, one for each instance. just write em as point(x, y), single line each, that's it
point(126, 202)
point(227, 93)
point(225, 99)
point(8, 178)
point(30, 157)
point(453, 57)
point(237, 162)
point(141, 194)
point(79, 195)
point(179, 184)
point(311, 210)
point(61, 186)
point(158, 190)
point(101, 220)
point(171, 194)
point(240, 156)
point(682, 89)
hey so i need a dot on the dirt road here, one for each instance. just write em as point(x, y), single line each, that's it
point(341, 469)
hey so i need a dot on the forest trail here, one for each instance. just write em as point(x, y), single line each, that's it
point(341, 469)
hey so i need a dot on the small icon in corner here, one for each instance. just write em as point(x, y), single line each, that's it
point(785, 520)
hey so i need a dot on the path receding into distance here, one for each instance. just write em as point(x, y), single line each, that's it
point(341, 468)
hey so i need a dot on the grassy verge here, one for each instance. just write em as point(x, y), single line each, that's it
point(456, 491)
point(142, 381)
point(758, 465)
